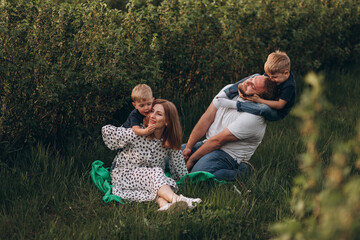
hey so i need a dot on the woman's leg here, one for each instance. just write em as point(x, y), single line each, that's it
point(167, 195)
point(165, 192)
point(167, 199)
point(161, 202)
point(219, 163)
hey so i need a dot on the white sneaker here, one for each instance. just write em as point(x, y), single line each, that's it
point(165, 207)
point(189, 201)
point(174, 206)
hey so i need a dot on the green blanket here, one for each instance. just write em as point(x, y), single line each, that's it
point(102, 179)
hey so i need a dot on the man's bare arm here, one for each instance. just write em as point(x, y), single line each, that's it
point(210, 145)
point(200, 129)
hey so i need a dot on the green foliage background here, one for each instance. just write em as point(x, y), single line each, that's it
point(70, 65)
point(67, 64)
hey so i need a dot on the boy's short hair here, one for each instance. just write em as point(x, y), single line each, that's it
point(141, 92)
point(277, 62)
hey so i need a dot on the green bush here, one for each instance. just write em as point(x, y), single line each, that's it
point(66, 66)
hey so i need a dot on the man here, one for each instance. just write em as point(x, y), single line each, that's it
point(231, 137)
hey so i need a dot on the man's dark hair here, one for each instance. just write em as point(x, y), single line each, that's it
point(271, 90)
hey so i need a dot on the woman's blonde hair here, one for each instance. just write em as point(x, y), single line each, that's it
point(172, 135)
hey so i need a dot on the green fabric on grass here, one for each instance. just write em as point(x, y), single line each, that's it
point(102, 180)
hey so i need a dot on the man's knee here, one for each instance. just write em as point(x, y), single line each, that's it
point(203, 166)
point(226, 174)
point(242, 171)
point(214, 161)
point(245, 170)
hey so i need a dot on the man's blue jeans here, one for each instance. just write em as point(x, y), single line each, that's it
point(220, 164)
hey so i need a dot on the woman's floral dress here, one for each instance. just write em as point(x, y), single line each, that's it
point(140, 165)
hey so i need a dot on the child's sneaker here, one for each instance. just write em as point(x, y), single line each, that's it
point(165, 207)
point(174, 207)
point(189, 201)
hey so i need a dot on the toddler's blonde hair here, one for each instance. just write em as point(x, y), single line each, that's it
point(277, 62)
point(141, 92)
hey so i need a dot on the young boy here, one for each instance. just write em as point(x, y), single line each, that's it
point(142, 101)
point(277, 67)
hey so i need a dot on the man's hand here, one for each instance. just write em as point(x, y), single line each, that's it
point(186, 153)
point(190, 164)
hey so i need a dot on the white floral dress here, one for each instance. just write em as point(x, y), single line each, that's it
point(139, 170)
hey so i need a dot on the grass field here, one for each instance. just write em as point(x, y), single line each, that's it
point(47, 194)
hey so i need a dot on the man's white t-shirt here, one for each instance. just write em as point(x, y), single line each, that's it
point(247, 127)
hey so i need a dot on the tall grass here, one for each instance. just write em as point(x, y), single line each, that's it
point(48, 194)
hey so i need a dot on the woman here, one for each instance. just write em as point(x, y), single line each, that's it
point(139, 172)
